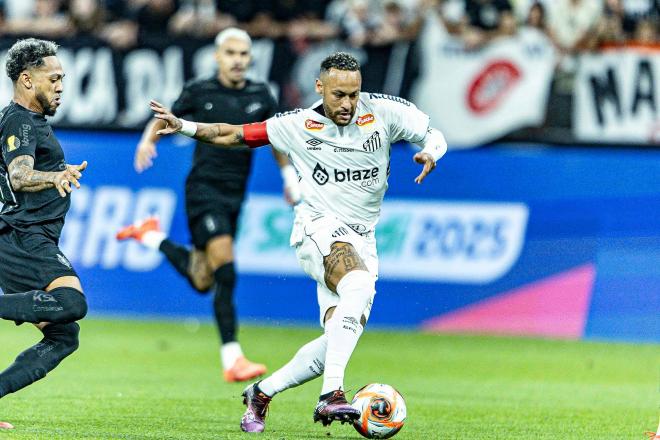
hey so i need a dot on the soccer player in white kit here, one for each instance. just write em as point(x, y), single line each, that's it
point(340, 148)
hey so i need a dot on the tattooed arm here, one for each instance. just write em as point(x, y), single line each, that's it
point(226, 135)
point(220, 134)
point(25, 178)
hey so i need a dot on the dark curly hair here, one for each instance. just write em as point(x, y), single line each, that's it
point(26, 54)
point(340, 61)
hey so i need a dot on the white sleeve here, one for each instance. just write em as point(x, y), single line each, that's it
point(277, 132)
point(434, 143)
point(405, 120)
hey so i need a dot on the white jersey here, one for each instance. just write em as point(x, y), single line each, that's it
point(343, 171)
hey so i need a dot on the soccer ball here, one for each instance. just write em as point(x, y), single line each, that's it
point(383, 411)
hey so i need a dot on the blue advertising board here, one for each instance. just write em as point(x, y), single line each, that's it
point(533, 240)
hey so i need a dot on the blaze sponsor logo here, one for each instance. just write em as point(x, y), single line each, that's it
point(368, 177)
point(365, 119)
point(12, 144)
point(492, 85)
point(320, 175)
point(311, 124)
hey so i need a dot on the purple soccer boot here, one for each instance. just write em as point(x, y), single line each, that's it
point(254, 418)
point(335, 407)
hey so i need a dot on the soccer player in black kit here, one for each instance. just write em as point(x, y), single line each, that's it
point(39, 284)
point(215, 189)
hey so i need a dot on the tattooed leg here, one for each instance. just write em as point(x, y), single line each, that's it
point(342, 259)
point(347, 275)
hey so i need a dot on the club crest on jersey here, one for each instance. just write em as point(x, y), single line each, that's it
point(365, 119)
point(373, 143)
point(311, 124)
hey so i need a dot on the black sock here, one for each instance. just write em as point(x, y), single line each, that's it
point(63, 304)
point(177, 255)
point(223, 302)
point(60, 340)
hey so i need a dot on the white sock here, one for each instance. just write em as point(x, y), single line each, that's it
point(306, 364)
point(229, 354)
point(153, 239)
point(355, 290)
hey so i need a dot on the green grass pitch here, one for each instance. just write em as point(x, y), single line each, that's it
point(161, 380)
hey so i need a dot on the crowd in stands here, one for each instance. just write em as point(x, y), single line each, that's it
point(573, 25)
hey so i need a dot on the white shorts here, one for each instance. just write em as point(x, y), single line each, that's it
point(312, 237)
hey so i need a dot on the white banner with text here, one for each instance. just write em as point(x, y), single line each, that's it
point(479, 95)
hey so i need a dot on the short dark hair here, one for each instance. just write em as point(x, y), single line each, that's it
point(340, 61)
point(26, 54)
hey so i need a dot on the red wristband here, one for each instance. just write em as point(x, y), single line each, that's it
point(255, 135)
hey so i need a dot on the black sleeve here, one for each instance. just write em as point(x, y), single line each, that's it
point(19, 137)
point(185, 103)
point(271, 103)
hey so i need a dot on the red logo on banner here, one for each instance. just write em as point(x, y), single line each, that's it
point(365, 119)
point(491, 86)
point(311, 124)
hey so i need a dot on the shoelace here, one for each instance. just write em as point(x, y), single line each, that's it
point(261, 404)
point(337, 397)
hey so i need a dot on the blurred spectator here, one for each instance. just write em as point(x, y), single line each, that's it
point(120, 29)
point(537, 17)
point(304, 21)
point(153, 16)
point(487, 19)
point(86, 16)
point(629, 21)
point(41, 18)
point(452, 14)
point(376, 23)
point(639, 13)
point(610, 27)
point(573, 22)
point(359, 19)
point(646, 32)
point(200, 18)
point(488, 15)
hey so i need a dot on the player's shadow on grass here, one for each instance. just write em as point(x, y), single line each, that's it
point(306, 434)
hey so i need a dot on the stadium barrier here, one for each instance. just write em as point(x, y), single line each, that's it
point(534, 241)
point(485, 93)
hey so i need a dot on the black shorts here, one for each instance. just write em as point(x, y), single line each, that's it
point(30, 261)
point(212, 210)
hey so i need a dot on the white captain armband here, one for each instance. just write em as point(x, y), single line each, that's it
point(188, 128)
point(434, 144)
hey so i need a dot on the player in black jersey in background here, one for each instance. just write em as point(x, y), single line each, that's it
point(37, 280)
point(215, 188)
